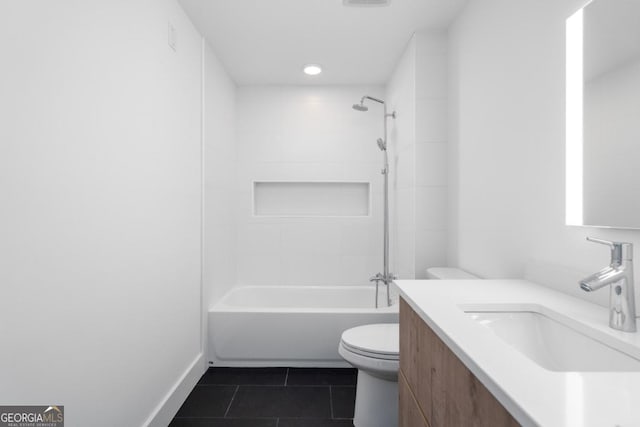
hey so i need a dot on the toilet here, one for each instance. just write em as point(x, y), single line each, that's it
point(374, 350)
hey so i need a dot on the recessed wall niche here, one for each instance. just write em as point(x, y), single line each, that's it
point(311, 199)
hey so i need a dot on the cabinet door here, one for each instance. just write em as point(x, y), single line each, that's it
point(416, 360)
point(410, 413)
point(448, 394)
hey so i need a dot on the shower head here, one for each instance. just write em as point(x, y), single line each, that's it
point(362, 107)
point(382, 143)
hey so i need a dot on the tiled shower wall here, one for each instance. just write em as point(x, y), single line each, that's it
point(311, 133)
point(307, 134)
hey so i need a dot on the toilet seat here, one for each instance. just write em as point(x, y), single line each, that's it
point(370, 354)
point(377, 341)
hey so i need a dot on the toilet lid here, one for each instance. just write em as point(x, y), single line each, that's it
point(379, 340)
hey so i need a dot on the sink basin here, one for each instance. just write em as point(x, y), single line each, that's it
point(552, 344)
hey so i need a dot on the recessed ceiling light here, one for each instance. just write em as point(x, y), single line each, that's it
point(366, 3)
point(312, 69)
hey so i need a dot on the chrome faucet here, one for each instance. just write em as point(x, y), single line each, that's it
point(387, 280)
point(619, 274)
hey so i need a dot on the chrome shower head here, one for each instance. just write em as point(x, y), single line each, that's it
point(382, 145)
point(360, 107)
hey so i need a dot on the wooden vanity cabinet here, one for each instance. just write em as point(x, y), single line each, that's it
point(436, 389)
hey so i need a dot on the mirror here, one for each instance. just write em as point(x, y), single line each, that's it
point(603, 115)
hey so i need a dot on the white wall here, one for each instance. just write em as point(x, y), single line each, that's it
point(220, 165)
point(431, 152)
point(417, 90)
point(508, 122)
point(401, 98)
point(100, 180)
point(302, 133)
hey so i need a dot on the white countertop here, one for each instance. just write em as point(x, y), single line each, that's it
point(533, 395)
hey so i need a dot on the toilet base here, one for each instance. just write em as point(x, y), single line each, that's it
point(376, 402)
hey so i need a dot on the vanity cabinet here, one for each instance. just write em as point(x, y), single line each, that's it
point(436, 389)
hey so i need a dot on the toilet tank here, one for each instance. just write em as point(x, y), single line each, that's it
point(449, 273)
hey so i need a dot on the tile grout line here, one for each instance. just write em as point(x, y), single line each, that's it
point(276, 385)
point(312, 384)
point(331, 401)
point(232, 397)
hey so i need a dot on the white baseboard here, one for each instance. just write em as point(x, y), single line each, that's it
point(168, 407)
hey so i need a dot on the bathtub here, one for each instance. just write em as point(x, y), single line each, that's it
point(293, 326)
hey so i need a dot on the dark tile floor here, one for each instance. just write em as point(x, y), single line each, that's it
point(270, 397)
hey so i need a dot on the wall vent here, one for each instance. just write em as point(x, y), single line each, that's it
point(365, 3)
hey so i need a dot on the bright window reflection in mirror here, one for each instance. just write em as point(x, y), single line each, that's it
point(574, 120)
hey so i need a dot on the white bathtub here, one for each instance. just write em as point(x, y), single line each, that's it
point(289, 325)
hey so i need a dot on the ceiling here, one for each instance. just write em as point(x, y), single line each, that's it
point(268, 41)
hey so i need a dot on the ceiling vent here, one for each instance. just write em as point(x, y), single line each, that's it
point(365, 3)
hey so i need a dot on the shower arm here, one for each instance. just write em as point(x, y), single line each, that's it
point(371, 98)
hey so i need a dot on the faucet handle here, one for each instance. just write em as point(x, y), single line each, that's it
point(619, 250)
